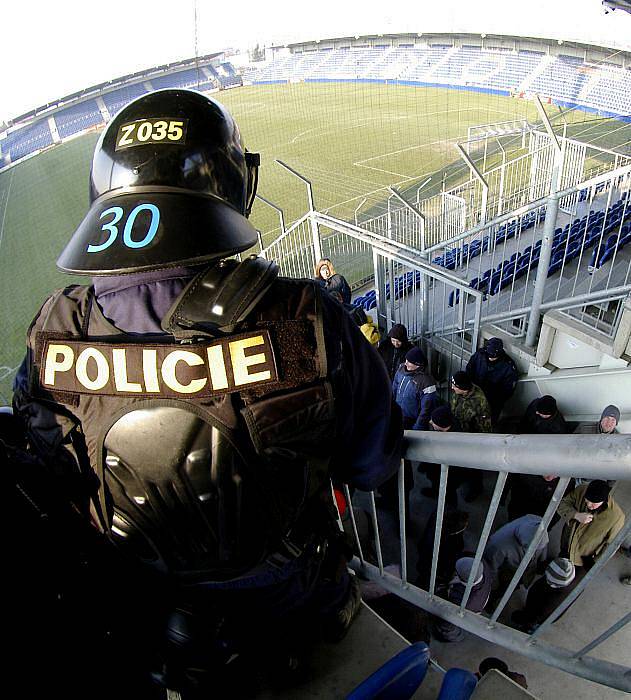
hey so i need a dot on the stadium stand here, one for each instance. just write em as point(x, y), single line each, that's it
point(77, 118)
point(27, 140)
point(228, 76)
point(114, 101)
point(194, 79)
point(605, 233)
point(566, 79)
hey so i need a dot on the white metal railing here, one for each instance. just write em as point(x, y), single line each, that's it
point(293, 250)
point(589, 252)
point(589, 456)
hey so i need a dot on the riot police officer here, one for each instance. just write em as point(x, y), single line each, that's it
point(196, 407)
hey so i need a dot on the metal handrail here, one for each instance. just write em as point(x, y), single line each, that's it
point(286, 232)
point(609, 458)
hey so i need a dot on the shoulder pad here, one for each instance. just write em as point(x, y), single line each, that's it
point(220, 296)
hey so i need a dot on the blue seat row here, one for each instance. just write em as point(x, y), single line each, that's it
point(567, 244)
point(456, 256)
point(402, 284)
point(615, 242)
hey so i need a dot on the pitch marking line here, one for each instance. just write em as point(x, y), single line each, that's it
point(6, 206)
point(7, 371)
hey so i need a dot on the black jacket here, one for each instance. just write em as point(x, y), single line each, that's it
point(393, 357)
point(496, 379)
point(532, 423)
point(542, 600)
point(70, 427)
point(529, 493)
point(337, 283)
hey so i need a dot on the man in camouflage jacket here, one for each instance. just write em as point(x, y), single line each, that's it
point(471, 408)
point(469, 405)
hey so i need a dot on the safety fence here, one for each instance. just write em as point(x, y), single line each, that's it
point(517, 180)
point(506, 271)
point(589, 253)
point(409, 290)
point(609, 457)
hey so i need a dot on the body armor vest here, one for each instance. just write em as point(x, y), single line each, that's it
point(211, 443)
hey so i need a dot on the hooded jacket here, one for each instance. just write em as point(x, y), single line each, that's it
point(506, 547)
point(532, 423)
point(497, 379)
point(580, 540)
point(415, 392)
point(394, 357)
point(448, 632)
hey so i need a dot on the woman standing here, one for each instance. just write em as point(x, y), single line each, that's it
point(331, 280)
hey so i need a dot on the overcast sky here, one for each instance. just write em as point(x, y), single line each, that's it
point(48, 50)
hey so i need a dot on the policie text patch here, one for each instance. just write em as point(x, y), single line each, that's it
point(226, 365)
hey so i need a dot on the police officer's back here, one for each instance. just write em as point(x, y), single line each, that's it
point(198, 406)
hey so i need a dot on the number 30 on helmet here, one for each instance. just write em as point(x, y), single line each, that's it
point(171, 184)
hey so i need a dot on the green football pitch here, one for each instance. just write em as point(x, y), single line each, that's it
point(352, 140)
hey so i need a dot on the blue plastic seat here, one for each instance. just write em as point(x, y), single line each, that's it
point(457, 684)
point(400, 677)
point(454, 297)
point(521, 271)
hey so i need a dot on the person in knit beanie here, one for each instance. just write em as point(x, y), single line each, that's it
point(394, 347)
point(543, 417)
point(592, 520)
point(446, 631)
point(546, 594)
point(607, 425)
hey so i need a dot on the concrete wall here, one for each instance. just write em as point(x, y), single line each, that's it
point(576, 366)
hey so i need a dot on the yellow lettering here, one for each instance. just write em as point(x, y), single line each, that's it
point(168, 371)
point(53, 364)
point(124, 139)
point(119, 361)
point(218, 376)
point(102, 369)
point(150, 370)
point(240, 362)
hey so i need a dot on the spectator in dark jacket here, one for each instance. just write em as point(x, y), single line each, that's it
point(442, 420)
point(495, 373)
point(546, 594)
point(331, 280)
point(531, 493)
point(542, 417)
point(447, 632)
point(506, 548)
point(414, 389)
point(394, 347)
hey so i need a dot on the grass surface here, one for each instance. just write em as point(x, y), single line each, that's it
point(352, 140)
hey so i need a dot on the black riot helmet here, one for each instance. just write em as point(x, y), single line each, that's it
point(171, 184)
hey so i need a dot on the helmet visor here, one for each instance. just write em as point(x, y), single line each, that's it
point(129, 232)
